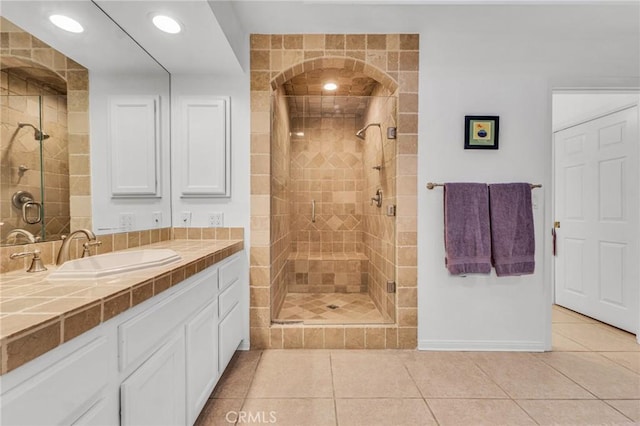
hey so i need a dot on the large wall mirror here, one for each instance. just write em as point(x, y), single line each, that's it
point(84, 141)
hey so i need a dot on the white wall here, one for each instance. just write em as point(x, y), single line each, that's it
point(107, 210)
point(572, 108)
point(508, 71)
point(235, 208)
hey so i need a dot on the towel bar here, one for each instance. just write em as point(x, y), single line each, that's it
point(431, 185)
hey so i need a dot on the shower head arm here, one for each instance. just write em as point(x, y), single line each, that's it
point(360, 133)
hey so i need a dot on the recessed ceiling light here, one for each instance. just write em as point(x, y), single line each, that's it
point(66, 23)
point(330, 86)
point(166, 24)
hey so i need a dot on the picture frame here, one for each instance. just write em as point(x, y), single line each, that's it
point(481, 131)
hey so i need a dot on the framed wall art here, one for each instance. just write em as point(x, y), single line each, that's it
point(481, 131)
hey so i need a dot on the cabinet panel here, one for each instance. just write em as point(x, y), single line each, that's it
point(154, 394)
point(229, 298)
point(230, 331)
point(230, 272)
point(133, 145)
point(102, 412)
point(76, 374)
point(202, 359)
point(142, 333)
point(205, 146)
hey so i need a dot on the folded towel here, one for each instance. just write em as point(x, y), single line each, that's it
point(467, 236)
point(512, 237)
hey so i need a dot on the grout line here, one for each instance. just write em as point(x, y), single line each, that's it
point(333, 389)
point(404, 364)
point(607, 403)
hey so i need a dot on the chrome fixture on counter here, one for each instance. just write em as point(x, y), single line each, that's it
point(63, 254)
point(36, 262)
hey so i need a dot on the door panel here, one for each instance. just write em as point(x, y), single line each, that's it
point(597, 190)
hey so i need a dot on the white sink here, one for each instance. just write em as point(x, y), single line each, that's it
point(108, 264)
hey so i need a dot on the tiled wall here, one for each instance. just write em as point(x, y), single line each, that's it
point(20, 49)
point(326, 166)
point(392, 60)
point(379, 228)
point(280, 205)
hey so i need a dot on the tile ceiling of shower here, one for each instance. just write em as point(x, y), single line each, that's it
point(306, 97)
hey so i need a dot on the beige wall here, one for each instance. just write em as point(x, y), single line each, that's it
point(379, 229)
point(392, 60)
point(326, 166)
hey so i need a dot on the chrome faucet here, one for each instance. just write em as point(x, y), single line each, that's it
point(63, 254)
point(19, 231)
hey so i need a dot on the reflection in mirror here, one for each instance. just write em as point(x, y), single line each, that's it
point(61, 180)
point(34, 142)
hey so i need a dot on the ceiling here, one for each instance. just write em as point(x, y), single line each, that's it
point(215, 39)
point(307, 98)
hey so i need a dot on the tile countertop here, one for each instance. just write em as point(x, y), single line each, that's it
point(37, 315)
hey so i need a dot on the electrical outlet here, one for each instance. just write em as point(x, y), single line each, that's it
point(127, 221)
point(185, 219)
point(216, 219)
point(156, 219)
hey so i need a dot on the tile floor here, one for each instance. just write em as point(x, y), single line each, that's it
point(591, 378)
point(313, 308)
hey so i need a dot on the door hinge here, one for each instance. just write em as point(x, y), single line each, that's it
point(556, 224)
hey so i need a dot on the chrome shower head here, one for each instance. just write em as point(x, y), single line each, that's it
point(360, 133)
point(37, 133)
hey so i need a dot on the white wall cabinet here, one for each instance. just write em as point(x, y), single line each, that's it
point(204, 146)
point(134, 158)
point(154, 364)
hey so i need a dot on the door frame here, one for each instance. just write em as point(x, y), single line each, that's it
point(629, 87)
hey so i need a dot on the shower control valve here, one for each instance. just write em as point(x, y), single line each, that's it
point(378, 198)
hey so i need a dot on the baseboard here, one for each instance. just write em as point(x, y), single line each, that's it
point(481, 345)
point(244, 345)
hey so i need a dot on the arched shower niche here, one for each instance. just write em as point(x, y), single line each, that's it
point(326, 168)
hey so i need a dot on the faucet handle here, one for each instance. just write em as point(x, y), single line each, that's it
point(36, 262)
point(87, 246)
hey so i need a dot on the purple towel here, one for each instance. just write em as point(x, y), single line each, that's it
point(512, 238)
point(467, 236)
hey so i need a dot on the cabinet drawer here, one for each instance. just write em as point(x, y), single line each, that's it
point(230, 335)
point(39, 401)
point(230, 272)
point(228, 298)
point(141, 334)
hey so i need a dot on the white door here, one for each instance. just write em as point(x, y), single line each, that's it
point(597, 191)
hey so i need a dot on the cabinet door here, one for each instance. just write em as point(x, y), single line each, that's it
point(230, 335)
point(204, 146)
point(154, 394)
point(133, 144)
point(202, 359)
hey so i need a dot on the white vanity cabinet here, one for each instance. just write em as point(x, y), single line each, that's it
point(155, 364)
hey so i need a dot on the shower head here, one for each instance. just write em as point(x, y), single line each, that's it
point(37, 133)
point(360, 133)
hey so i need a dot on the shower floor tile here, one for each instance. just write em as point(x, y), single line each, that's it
point(313, 308)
